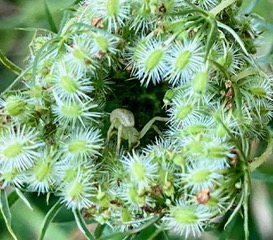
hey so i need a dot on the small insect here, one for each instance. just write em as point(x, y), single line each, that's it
point(124, 121)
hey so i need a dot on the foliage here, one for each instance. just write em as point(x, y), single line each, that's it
point(57, 138)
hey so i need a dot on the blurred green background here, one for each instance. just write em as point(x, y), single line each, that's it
point(18, 21)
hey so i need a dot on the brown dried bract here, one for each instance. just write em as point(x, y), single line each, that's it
point(156, 190)
point(86, 214)
point(147, 208)
point(129, 68)
point(230, 93)
point(100, 54)
point(203, 196)
point(235, 159)
point(228, 84)
point(115, 202)
point(97, 22)
point(228, 105)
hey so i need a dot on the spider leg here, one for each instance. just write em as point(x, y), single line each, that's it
point(119, 139)
point(109, 132)
point(113, 133)
point(138, 142)
point(157, 130)
point(149, 124)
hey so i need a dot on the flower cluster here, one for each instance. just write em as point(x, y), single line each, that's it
point(217, 99)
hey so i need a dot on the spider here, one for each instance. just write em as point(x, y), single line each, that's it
point(124, 121)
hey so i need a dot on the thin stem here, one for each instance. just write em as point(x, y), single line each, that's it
point(246, 199)
point(264, 157)
point(16, 81)
point(10, 65)
point(221, 7)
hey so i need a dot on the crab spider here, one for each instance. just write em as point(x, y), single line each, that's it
point(124, 121)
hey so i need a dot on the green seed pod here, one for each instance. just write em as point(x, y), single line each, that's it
point(179, 159)
point(199, 82)
point(15, 106)
point(184, 111)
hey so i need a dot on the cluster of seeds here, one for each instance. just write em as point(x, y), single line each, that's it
point(218, 100)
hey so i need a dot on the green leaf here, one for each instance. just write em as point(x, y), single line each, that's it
point(220, 7)
point(33, 29)
point(66, 17)
point(82, 225)
point(5, 210)
point(264, 157)
point(12, 198)
point(236, 210)
point(16, 81)
point(212, 36)
point(10, 65)
point(76, 2)
point(38, 55)
point(248, 6)
point(80, 27)
point(265, 177)
point(99, 230)
point(49, 217)
point(228, 231)
point(22, 196)
point(131, 232)
point(50, 18)
point(234, 34)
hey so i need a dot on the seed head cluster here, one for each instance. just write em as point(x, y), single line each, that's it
point(217, 100)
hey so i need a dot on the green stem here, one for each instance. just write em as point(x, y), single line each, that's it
point(221, 7)
point(246, 199)
point(264, 157)
point(16, 81)
point(10, 65)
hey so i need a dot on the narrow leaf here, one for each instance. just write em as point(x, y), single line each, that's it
point(266, 177)
point(50, 18)
point(248, 7)
point(212, 36)
point(12, 198)
point(264, 157)
point(5, 210)
point(32, 29)
point(79, 27)
point(234, 34)
point(82, 225)
point(76, 2)
point(49, 217)
point(66, 17)
point(222, 6)
point(228, 231)
point(22, 196)
point(16, 81)
point(38, 55)
point(99, 230)
point(236, 210)
point(10, 65)
point(131, 232)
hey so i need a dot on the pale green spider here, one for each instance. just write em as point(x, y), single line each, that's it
point(124, 121)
